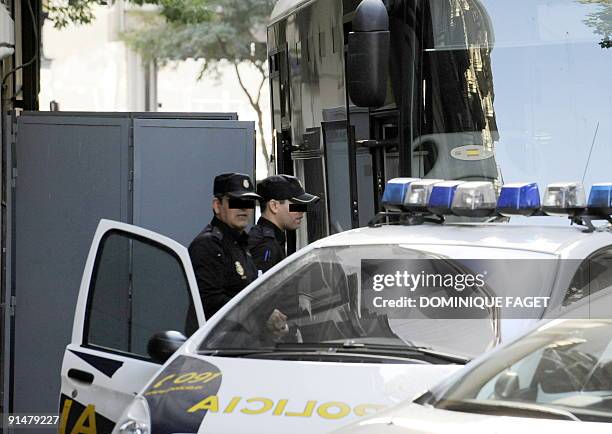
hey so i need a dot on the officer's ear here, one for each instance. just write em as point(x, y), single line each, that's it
point(273, 206)
point(216, 205)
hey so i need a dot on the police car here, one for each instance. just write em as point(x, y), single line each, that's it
point(348, 348)
point(555, 375)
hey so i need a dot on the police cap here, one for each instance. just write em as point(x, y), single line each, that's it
point(235, 185)
point(283, 187)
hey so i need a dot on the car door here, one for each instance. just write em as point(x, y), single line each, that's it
point(136, 283)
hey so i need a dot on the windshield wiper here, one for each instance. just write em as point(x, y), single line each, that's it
point(348, 347)
point(379, 349)
point(518, 409)
point(234, 352)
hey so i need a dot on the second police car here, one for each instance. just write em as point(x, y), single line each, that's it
point(557, 374)
point(354, 343)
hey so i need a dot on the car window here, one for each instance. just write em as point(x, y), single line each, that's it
point(593, 275)
point(138, 288)
point(523, 370)
point(565, 365)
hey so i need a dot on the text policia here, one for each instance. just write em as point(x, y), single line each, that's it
point(283, 407)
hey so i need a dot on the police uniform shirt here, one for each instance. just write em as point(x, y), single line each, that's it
point(267, 244)
point(222, 264)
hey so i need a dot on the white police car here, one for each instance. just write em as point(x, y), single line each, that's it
point(351, 342)
point(555, 375)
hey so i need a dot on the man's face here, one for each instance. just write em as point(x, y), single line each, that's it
point(235, 218)
point(289, 220)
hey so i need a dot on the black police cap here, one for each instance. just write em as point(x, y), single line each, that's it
point(284, 187)
point(235, 185)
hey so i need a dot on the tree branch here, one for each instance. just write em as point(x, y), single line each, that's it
point(261, 85)
point(255, 105)
point(244, 88)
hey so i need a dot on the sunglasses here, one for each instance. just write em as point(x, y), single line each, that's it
point(241, 203)
point(298, 207)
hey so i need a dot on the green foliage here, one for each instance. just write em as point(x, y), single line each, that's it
point(186, 11)
point(205, 29)
point(601, 20)
point(65, 12)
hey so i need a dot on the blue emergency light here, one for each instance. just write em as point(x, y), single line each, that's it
point(519, 199)
point(441, 197)
point(394, 196)
point(600, 199)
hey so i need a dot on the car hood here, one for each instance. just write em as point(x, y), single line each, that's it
point(418, 419)
point(231, 395)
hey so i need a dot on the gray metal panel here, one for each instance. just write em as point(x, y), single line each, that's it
point(5, 317)
point(72, 171)
point(222, 116)
point(175, 162)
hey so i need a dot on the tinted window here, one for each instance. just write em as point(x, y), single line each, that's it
point(138, 289)
point(593, 275)
point(108, 308)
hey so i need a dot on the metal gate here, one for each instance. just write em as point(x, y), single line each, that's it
point(71, 170)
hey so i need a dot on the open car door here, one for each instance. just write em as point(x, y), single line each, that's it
point(136, 283)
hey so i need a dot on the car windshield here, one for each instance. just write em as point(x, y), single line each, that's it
point(562, 371)
point(324, 299)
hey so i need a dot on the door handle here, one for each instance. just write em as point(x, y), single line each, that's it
point(81, 376)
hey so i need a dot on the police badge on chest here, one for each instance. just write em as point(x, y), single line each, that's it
point(240, 269)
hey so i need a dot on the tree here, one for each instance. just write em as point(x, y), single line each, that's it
point(64, 12)
point(601, 20)
point(210, 30)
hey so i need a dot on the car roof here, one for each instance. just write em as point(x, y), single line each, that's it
point(540, 238)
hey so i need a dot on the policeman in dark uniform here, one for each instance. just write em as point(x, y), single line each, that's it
point(219, 255)
point(283, 203)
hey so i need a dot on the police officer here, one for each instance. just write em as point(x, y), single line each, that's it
point(283, 202)
point(221, 261)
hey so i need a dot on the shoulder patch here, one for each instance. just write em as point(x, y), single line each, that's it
point(268, 232)
point(217, 233)
point(211, 232)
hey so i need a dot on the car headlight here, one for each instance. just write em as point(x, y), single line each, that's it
point(136, 419)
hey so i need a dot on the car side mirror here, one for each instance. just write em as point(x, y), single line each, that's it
point(506, 385)
point(368, 54)
point(163, 344)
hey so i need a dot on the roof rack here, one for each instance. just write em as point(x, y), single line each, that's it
point(404, 218)
point(411, 218)
point(586, 220)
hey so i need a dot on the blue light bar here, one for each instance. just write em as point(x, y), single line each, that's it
point(600, 199)
point(519, 199)
point(441, 197)
point(395, 193)
point(564, 199)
